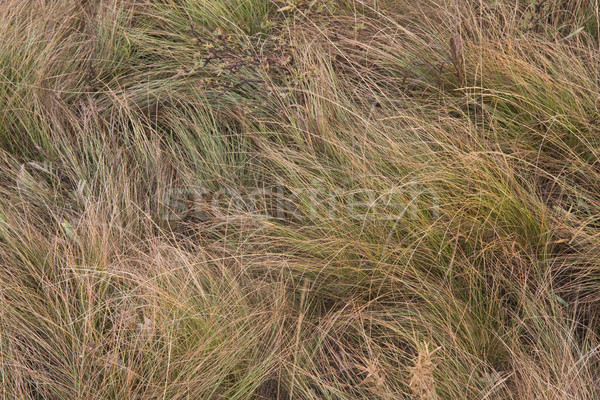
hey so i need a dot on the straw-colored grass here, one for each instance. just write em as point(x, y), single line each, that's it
point(287, 199)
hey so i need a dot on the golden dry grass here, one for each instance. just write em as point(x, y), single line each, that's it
point(337, 199)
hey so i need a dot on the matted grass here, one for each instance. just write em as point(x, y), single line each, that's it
point(341, 199)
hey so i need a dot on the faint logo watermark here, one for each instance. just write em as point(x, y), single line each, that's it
point(316, 201)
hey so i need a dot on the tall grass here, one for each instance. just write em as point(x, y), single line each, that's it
point(342, 199)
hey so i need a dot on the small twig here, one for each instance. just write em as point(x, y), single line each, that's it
point(456, 54)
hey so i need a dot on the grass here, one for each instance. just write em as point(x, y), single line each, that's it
point(338, 199)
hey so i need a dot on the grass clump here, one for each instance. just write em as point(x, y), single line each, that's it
point(299, 200)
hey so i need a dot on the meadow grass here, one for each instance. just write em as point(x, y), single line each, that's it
point(289, 199)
